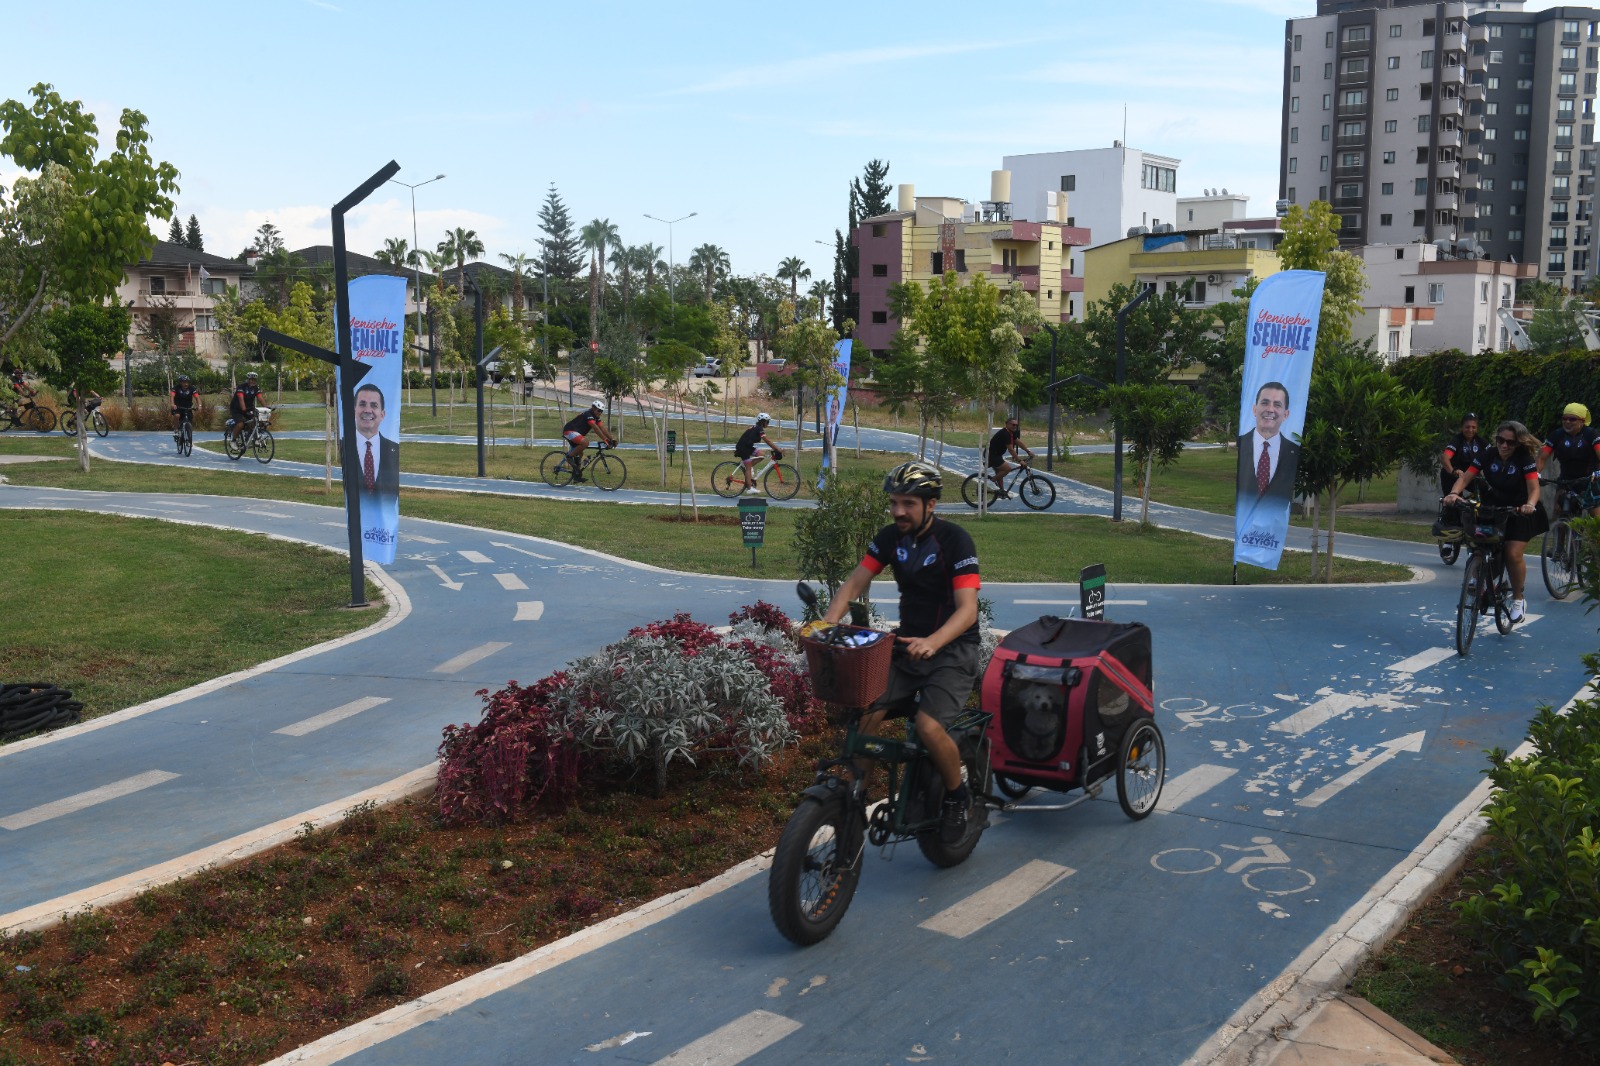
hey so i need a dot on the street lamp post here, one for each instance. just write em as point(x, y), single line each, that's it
point(672, 300)
point(416, 263)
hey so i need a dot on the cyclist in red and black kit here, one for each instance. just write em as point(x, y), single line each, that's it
point(1576, 444)
point(1513, 481)
point(745, 449)
point(576, 433)
point(19, 385)
point(242, 407)
point(185, 397)
point(935, 565)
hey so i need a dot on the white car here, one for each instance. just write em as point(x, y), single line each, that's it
point(711, 368)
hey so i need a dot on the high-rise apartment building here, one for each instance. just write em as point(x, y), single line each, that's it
point(1470, 122)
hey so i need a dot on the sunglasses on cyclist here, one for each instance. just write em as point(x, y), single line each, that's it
point(1571, 418)
point(1509, 442)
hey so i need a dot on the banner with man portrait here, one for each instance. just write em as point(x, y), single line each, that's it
point(377, 339)
point(1280, 345)
point(833, 407)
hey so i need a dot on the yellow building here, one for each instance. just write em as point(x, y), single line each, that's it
point(1217, 263)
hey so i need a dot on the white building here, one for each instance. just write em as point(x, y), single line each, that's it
point(1110, 191)
point(1419, 300)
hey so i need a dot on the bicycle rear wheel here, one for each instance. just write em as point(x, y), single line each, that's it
point(41, 420)
point(69, 423)
point(555, 470)
point(974, 484)
point(1467, 605)
point(723, 481)
point(781, 482)
point(98, 421)
point(1556, 559)
point(262, 447)
point(975, 761)
point(608, 472)
point(1037, 492)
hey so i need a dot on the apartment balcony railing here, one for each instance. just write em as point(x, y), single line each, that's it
point(1558, 242)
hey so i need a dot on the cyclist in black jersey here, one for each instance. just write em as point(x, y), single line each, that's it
point(1464, 448)
point(1513, 480)
point(242, 407)
point(576, 432)
point(1576, 444)
point(935, 565)
point(1007, 438)
point(745, 449)
point(185, 397)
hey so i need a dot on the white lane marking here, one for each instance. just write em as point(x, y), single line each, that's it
point(1047, 603)
point(267, 514)
point(529, 611)
point(419, 538)
point(188, 506)
point(1330, 706)
point(72, 804)
point(1410, 742)
point(510, 582)
point(1191, 783)
point(734, 1042)
point(444, 578)
point(338, 525)
point(475, 557)
point(996, 900)
point(467, 658)
point(1421, 661)
point(524, 551)
point(1529, 619)
point(327, 718)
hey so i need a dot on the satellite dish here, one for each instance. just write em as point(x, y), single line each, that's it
point(1224, 191)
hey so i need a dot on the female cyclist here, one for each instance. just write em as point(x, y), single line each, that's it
point(1576, 444)
point(1513, 478)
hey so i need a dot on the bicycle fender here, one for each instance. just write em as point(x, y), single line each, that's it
point(829, 790)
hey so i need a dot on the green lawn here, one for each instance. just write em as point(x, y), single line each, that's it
point(123, 610)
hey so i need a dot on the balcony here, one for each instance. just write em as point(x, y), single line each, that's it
point(1451, 105)
point(1446, 201)
point(1353, 141)
point(1561, 168)
point(1558, 242)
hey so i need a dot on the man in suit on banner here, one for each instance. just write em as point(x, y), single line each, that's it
point(378, 468)
point(1267, 457)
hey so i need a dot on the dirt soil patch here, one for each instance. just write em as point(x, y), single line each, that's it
point(716, 518)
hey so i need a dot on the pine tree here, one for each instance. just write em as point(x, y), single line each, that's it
point(191, 236)
point(869, 196)
point(175, 235)
point(558, 249)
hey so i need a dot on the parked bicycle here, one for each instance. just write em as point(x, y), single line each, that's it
point(255, 437)
point(97, 421)
point(27, 415)
point(779, 480)
point(1485, 585)
point(1035, 490)
point(606, 471)
point(1561, 557)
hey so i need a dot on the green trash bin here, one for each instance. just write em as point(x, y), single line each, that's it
point(672, 442)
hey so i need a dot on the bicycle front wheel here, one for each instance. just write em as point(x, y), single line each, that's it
point(98, 421)
point(1037, 492)
point(41, 420)
point(1449, 552)
point(1556, 560)
point(815, 869)
point(608, 472)
point(69, 423)
point(1467, 606)
point(185, 440)
point(262, 446)
point(233, 446)
point(781, 482)
point(555, 470)
point(727, 480)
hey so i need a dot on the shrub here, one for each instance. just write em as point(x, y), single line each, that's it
point(1536, 909)
point(831, 538)
point(514, 757)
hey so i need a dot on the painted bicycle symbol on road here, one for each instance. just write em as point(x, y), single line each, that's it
point(1193, 711)
point(1263, 868)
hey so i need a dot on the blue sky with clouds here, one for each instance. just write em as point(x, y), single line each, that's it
point(754, 116)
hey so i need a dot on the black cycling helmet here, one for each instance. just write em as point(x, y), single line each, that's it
point(183, 378)
point(915, 478)
point(250, 375)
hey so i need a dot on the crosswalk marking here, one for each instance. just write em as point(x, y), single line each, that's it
point(475, 557)
point(734, 1042)
point(1191, 783)
point(72, 804)
point(510, 582)
point(327, 718)
point(267, 514)
point(419, 538)
point(997, 900)
point(529, 611)
point(467, 658)
point(1421, 661)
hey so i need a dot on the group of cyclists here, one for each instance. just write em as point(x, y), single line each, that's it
point(1509, 465)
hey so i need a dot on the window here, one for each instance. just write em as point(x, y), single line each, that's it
point(1485, 210)
point(1482, 332)
point(1069, 183)
point(1563, 134)
point(1421, 188)
point(1294, 167)
point(961, 260)
point(1422, 153)
point(205, 323)
point(214, 287)
point(1558, 262)
point(1519, 184)
point(1496, 56)
point(879, 229)
point(1522, 109)
point(1491, 108)
point(1327, 101)
point(1428, 26)
point(1385, 220)
point(1350, 159)
point(1327, 71)
point(1197, 294)
point(1424, 123)
point(1350, 191)
point(1388, 157)
point(1489, 133)
point(1390, 126)
point(1560, 186)
point(1294, 103)
point(1435, 292)
point(1568, 83)
point(1486, 184)
point(158, 286)
point(1327, 39)
point(1162, 179)
point(1569, 57)
point(1394, 63)
point(1493, 83)
point(1387, 188)
point(1488, 159)
point(1325, 130)
point(937, 263)
point(1394, 30)
point(1352, 129)
point(1427, 61)
point(1511, 209)
point(1418, 218)
point(1558, 236)
point(1525, 32)
point(1355, 33)
point(1521, 135)
point(1323, 163)
point(1483, 292)
point(1512, 235)
point(1353, 98)
point(1391, 94)
point(880, 317)
point(880, 270)
point(1297, 42)
point(1411, 294)
point(1525, 58)
point(1292, 199)
point(1294, 134)
point(1294, 73)
point(1524, 83)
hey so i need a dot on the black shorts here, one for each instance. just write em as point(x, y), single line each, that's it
point(1521, 528)
point(945, 681)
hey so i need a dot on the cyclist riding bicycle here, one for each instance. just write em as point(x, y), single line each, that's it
point(745, 450)
point(577, 433)
point(1576, 444)
point(184, 399)
point(20, 386)
point(1513, 479)
point(1008, 438)
point(90, 402)
point(935, 566)
point(242, 407)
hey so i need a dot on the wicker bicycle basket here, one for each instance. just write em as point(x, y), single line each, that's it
point(850, 675)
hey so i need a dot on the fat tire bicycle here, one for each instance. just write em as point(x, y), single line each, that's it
point(1036, 491)
point(97, 421)
point(1485, 585)
point(817, 863)
point(607, 472)
point(1561, 556)
point(778, 480)
point(255, 437)
point(183, 435)
point(27, 415)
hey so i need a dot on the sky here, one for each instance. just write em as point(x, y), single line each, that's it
point(752, 117)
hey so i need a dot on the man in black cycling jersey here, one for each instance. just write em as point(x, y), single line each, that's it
point(20, 386)
point(745, 450)
point(242, 407)
point(1576, 444)
point(935, 565)
point(576, 433)
point(1008, 438)
point(184, 399)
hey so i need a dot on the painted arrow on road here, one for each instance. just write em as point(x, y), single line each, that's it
point(453, 586)
point(1410, 742)
point(524, 551)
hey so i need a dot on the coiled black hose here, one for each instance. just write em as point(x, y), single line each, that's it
point(29, 708)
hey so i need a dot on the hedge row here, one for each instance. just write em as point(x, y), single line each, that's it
point(1532, 389)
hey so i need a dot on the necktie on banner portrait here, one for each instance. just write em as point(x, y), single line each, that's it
point(834, 408)
point(377, 338)
point(1280, 346)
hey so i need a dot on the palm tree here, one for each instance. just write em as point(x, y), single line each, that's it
point(519, 265)
point(396, 251)
point(462, 244)
point(650, 255)
point(711, 261)
point(622, 260)
point(823, 291)
point(794, 271)
point(599, 236)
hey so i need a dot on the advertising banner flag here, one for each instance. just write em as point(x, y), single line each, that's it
point(1280, 344)
point(835, 405)
point(377, 338)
